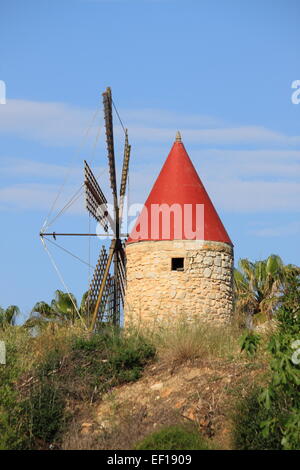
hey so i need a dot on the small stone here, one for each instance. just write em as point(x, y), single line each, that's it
point(179, 404)
point(157, 386)
point(207, 272)
point(139, 275)
point(151, 275)
point(180, 295)
point(166, 393)
point(190, 413)
point(217, 261)
point(192, 374)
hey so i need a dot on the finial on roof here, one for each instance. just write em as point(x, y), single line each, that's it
point(178, 136)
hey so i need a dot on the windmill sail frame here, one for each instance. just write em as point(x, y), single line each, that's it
point(106, 292)
point(110, 287)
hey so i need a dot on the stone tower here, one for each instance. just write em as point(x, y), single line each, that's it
point(179, 255)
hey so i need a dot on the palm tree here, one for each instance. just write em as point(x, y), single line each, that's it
point(259, 286)
point(8, 316)
point(62, 309)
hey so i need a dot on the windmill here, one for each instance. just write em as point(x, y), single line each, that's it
point(107, 290)
point(106, 293)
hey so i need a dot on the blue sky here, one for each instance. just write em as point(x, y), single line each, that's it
point(220, 71)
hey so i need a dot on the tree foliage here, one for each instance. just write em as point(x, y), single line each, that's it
point(284, 386)
point(8, 316)
point(260, 285)
point(62, 309)
point(269, 418)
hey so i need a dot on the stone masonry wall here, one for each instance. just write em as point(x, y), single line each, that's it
point(156, 293)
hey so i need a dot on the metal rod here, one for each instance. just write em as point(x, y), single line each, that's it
point(54, 234)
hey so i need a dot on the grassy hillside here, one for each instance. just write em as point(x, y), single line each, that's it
point(67, 389)
point(47, 378)
point(183, 385)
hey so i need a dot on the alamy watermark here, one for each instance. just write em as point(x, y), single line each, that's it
point(296, 355)
point(295, 97)
point(2, 92)
point(154, 222)
point(2, 353)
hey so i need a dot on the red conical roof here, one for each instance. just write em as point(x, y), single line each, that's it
point(178, 183)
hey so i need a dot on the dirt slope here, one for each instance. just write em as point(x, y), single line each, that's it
point(202, 393)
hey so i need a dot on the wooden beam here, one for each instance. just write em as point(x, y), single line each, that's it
point(101, 290)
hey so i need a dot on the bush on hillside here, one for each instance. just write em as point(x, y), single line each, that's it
point(247, 419)
point(35, 388)
point(270, 419)
point(173, 438)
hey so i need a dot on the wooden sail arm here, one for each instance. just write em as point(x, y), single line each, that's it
point(124, 176)
point(96, 202)
point(107, 102)
point(122, 275)
point(102, 286)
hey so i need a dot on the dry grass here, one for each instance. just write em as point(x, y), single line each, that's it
point(186, 341)
point(56, 337)
point(25, 352)
point(18, 339)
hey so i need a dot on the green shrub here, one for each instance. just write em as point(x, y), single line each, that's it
point(43, 413)
point(50, 362)
point(77, 366)
point(119, 357)
point(91, 343)
point(249, 342)
point(247, 419)
point(173, 438)
point(270, 419)
point(11, 436)
point(130, 353)
point(36, 416)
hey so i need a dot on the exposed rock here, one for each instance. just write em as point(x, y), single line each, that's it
point(86, 425)
point(192, 374)
point(157, 386)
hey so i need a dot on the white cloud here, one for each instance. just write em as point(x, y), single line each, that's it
point(50, 123)
point(237, 180)
point(247, 164)
point(150, 116)
point(227, 135)
point(283, 230)
point(62, 124)
point(233, 185)
point(25, 167)
point(254, 196)
point(232, 194)
point(56, 183)
point(27, 196)
point(21, 167)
